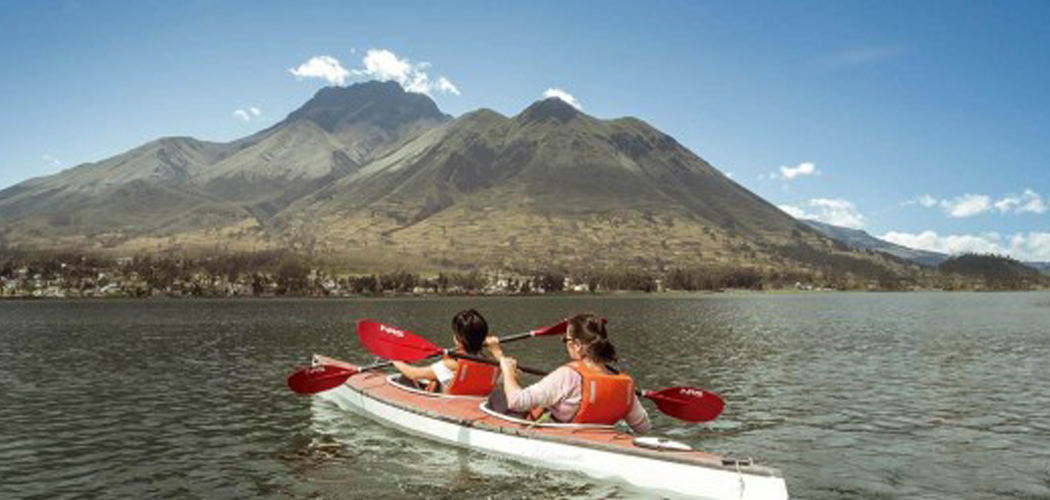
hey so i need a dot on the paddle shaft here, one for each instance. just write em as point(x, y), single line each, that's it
point(448, 352)
point(527, 369)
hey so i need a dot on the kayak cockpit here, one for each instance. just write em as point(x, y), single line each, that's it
point(408, 385)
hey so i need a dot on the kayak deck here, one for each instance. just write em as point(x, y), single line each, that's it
point(600, 452)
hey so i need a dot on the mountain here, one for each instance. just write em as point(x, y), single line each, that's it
point(861, 240)
point(375, 177)
point(550, 186)
point(183, 186)
point(1043, 267)
point(995, 272)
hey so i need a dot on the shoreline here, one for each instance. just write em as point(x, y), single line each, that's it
point(598, 294)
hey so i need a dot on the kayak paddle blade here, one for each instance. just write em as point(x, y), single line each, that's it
point(314, 379)
point(688, 403)
point(389, 342)
point(556, 329)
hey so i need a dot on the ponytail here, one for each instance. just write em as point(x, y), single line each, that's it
point(602, 351)
point(589, 330)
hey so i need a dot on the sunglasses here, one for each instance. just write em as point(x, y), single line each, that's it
point(565, 340)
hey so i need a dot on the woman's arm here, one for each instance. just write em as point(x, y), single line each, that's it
point(638, 418)
point(549, 391)
point(509, 367)
point(492, 343)
point(415, 372)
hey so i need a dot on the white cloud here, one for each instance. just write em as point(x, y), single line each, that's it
point(444, 85)
point(949, 244)
point(1027, 202)
point(326, 68)
point(54, 162)
point(837, 212)
point(794, 211)
point(563, 95)
point(384, 65)
point(789, 173)
point(1033, 246)
point(969, 205)
point(248, 114)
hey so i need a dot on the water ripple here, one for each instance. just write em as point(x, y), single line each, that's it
point(851, 395)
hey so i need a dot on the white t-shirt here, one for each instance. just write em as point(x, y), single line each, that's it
point(443, 374)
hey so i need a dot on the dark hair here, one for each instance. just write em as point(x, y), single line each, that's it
point(471, 329)
point(589, 330)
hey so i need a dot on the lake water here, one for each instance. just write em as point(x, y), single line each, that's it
point(915, 395)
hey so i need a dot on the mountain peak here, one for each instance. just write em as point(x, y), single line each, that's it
point(382, 104)
point(551, 108)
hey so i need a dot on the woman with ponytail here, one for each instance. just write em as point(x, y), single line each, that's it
point(585, 390)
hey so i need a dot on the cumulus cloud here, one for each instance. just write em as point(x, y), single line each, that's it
point(803, 169)
point(564, 96)
point(1032, 246)
point(248, 114)
point(836, 212)
point(969, 205)
point(384, 65)
point(1027, 202)
point(326, 68)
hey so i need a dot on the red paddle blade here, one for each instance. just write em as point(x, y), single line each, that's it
point(389, 342)
point(687, 403)
point(316, 379)
point(556, 329)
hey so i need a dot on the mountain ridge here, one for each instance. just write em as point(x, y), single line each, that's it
point(379, 177)
point(861, 240)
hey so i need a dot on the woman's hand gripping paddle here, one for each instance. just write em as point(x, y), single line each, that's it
point(378, 338)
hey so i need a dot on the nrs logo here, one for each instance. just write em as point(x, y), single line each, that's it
point(392, 331)
point(691, 393)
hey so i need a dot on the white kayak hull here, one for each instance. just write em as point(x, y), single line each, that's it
point(599, 453)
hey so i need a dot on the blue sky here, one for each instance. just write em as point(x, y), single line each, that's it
point(923, 122)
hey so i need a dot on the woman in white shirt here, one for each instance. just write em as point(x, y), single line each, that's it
point(469, 332)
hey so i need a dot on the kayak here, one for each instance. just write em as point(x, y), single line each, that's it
point(599, 451)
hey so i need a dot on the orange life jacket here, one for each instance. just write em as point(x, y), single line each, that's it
point(472, 379)
point(605, 398)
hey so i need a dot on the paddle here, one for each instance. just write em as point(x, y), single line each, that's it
point(684, 403)
point(314, 379)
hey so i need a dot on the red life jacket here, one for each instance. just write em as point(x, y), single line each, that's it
point(472, 379)
point(605, 398)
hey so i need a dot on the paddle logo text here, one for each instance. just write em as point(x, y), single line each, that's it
point(392, 331)
point(691, 392)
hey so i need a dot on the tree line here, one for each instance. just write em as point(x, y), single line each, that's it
point(282, 273)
